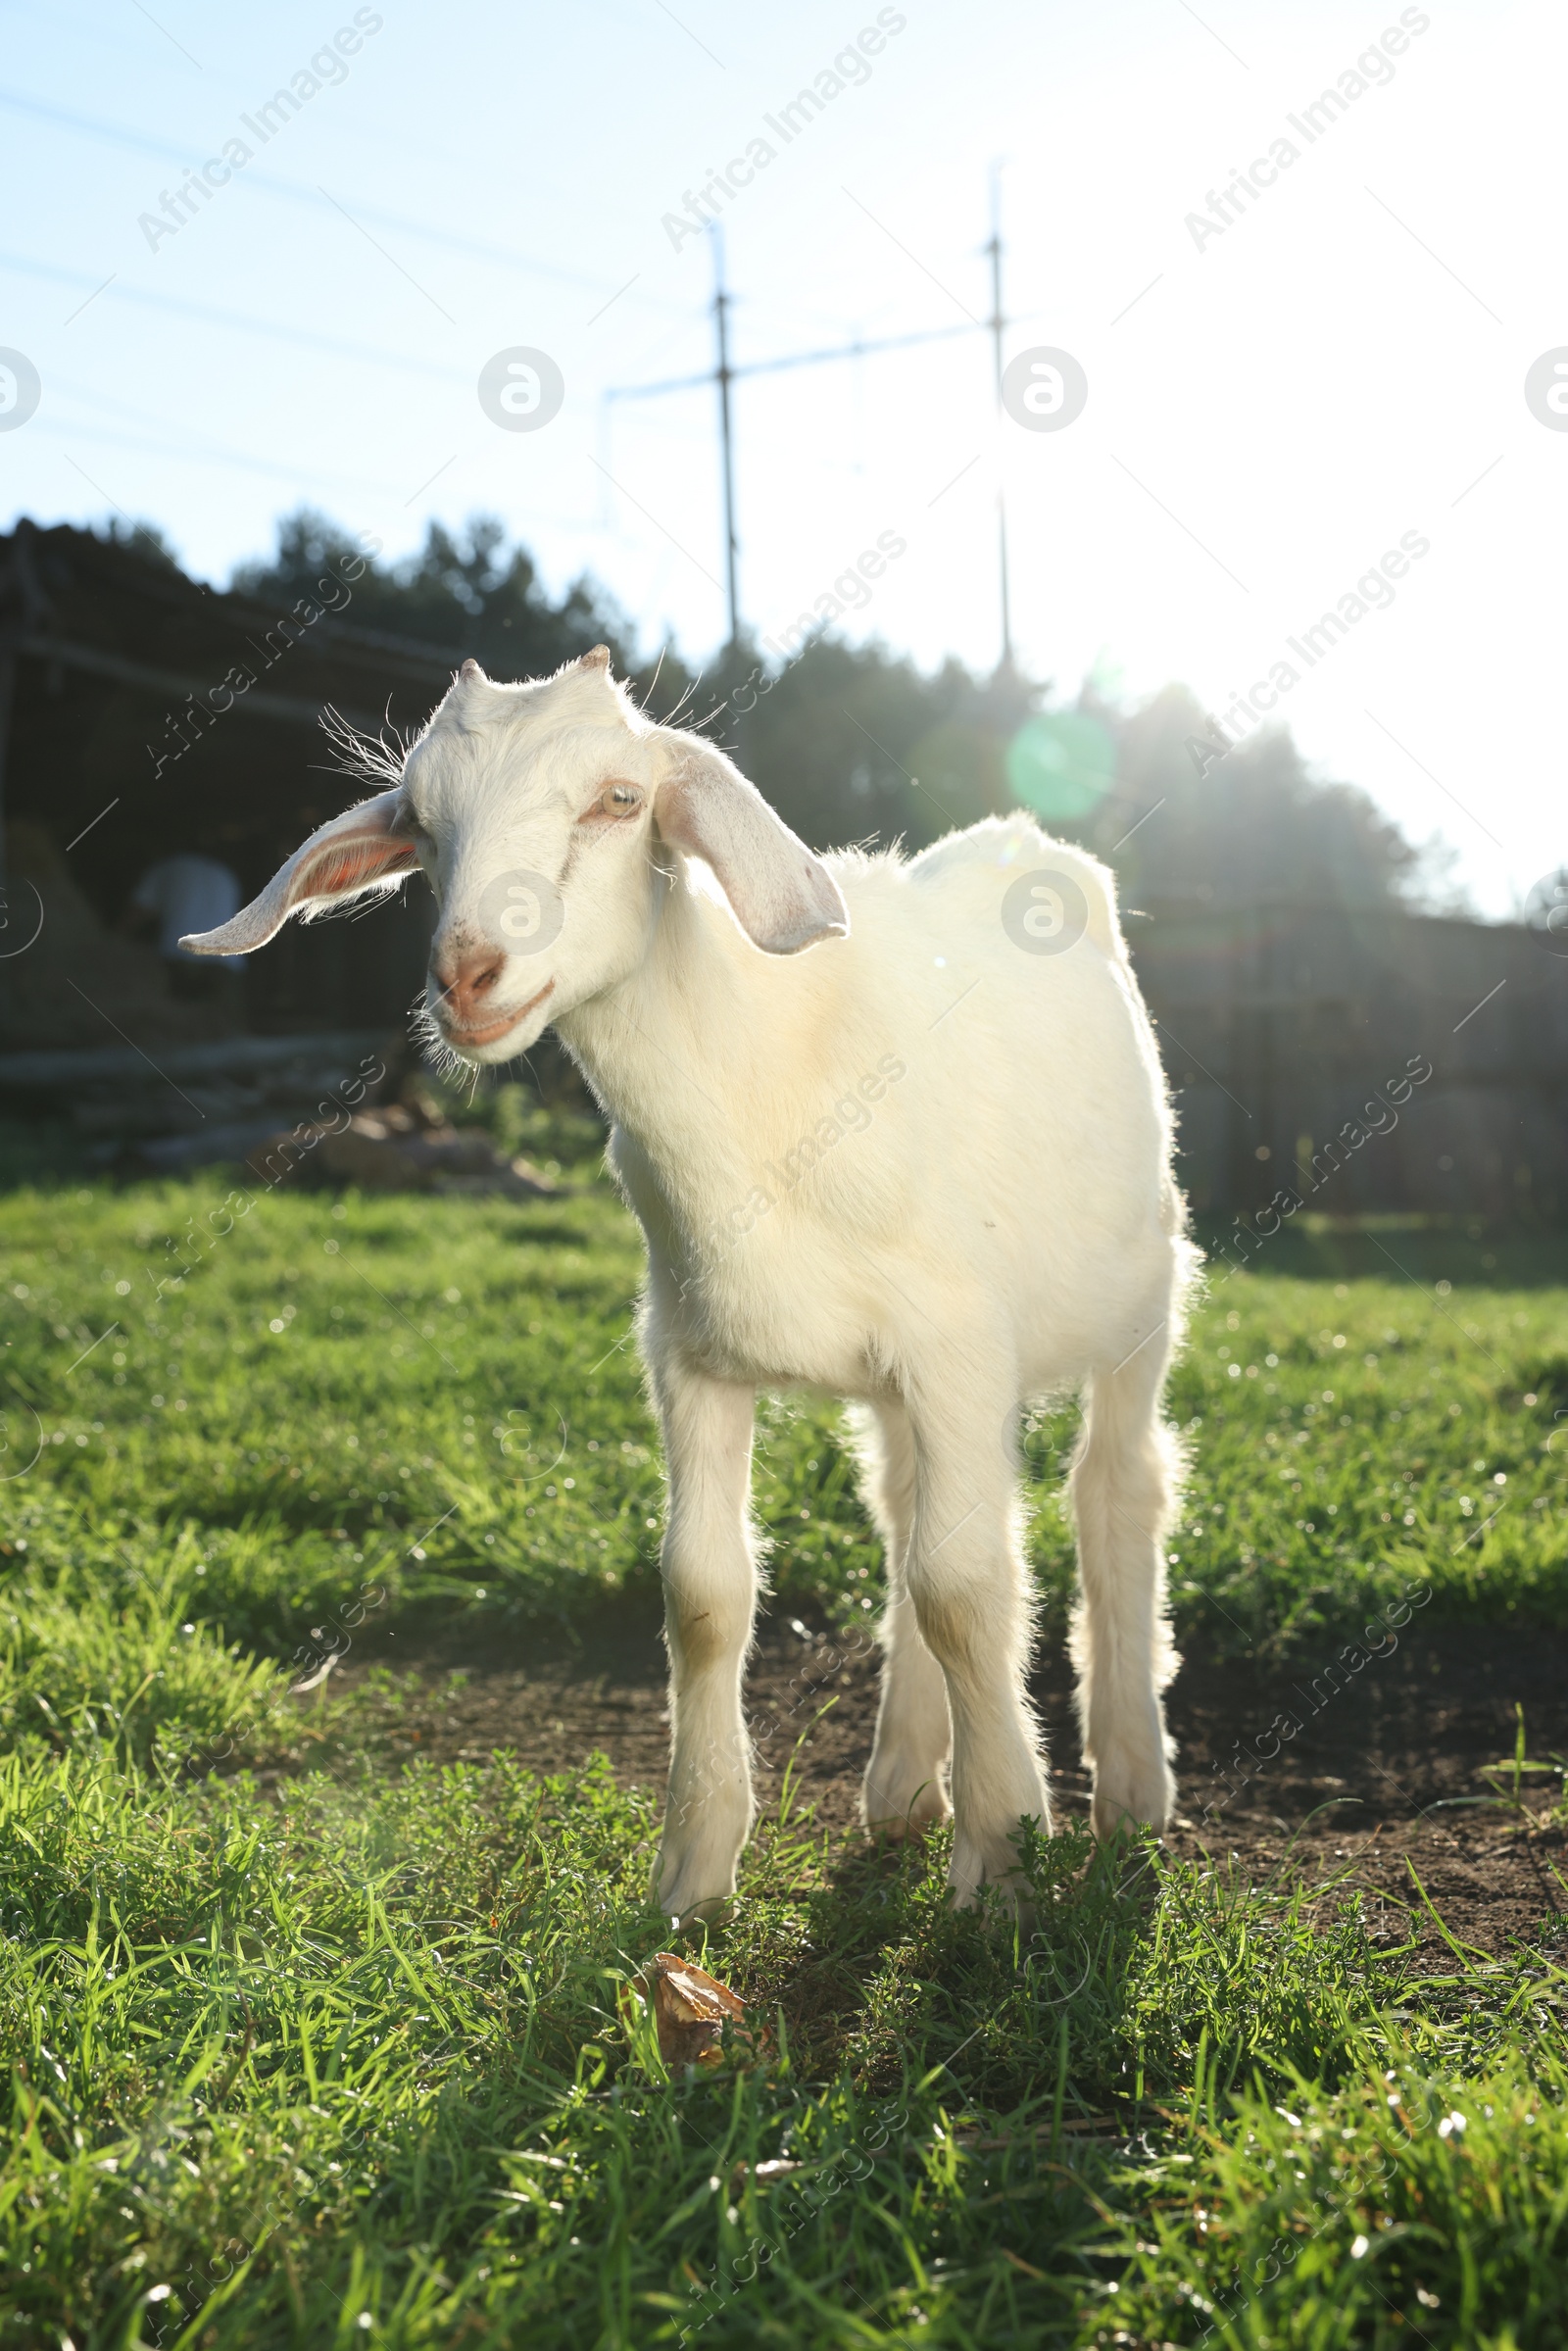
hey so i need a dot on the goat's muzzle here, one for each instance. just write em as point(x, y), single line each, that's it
point(465, 1008)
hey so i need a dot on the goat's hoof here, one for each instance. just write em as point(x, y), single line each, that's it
point(1010, 1900)
point(681, 1915)
point(696, 1916)
point(1131, 1799)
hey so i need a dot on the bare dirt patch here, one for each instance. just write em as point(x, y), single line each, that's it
point(1369, 1782)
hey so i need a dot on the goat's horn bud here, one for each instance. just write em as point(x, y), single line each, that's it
point(597, 658)
point(471, 670)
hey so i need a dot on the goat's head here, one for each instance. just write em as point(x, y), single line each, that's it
point(548, 818)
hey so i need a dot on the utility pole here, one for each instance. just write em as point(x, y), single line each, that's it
point(723, 375)
point(998, 323)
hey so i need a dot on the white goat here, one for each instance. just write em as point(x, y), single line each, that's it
point(925, 1168)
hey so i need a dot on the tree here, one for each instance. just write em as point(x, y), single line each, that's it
point(1240, 825)
point(852, 744)
point(466, 592)
point(855, 744)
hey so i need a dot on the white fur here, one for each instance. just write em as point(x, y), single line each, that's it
point(917, 1167)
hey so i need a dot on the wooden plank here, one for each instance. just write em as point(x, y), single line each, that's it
point(230, 1056)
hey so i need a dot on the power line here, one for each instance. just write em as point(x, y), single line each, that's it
point(789, 359)
point(190, 445)
point(115, 134)
point(210, 454)
point(235, 319)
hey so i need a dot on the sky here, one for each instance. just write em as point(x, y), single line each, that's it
point(1325, 388)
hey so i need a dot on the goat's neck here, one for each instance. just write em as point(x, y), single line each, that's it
point(667, 1049)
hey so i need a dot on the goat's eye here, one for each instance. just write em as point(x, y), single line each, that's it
point(617, 800)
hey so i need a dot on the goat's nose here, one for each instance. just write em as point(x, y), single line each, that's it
point(465, 980)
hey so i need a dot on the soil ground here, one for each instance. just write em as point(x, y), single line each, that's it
point(1368, 1786)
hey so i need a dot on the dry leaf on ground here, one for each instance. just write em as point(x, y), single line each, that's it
point(691, 2008)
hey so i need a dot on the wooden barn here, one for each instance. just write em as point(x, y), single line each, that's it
point(143, 716)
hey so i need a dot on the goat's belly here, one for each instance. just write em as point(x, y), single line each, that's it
point(851, 1321)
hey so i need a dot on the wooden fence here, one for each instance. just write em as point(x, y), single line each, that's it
point(1287, 1028)
point(1363, 1061)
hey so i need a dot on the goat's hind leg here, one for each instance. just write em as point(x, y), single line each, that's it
point(970, 1591)
point(902, 1791)
point(709, 1595)
point(1124, 1484)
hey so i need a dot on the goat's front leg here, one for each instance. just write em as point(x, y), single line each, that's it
point(969, 1587)
point(710, 1592)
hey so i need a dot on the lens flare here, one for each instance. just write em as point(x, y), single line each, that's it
point(1060, 763)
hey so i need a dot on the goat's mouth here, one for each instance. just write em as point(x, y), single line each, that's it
point(488, 1032)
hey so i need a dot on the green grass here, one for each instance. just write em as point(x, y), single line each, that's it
point(341, 2060)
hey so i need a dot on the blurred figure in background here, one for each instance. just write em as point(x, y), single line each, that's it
point(190, 892)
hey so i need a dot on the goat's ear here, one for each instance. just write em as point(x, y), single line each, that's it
point(355, 852)
point(782, 897)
